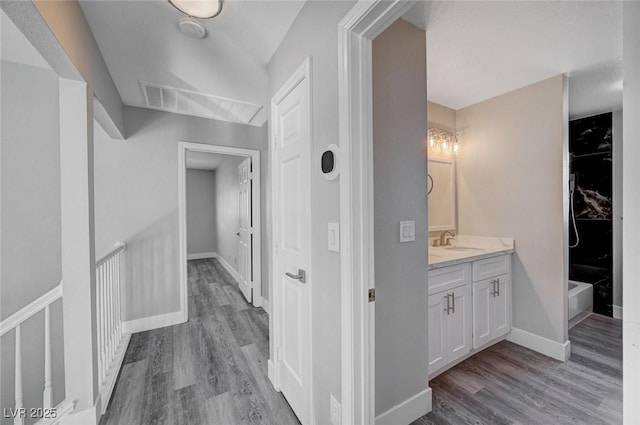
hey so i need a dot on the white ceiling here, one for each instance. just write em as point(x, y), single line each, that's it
point(205, 160)
point(14, 46)
point(479, 49)
point(140, 40)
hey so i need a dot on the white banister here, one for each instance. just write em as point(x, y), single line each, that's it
point(111, 341)
point(47, 394)
point(30, 309)
point(19, 418)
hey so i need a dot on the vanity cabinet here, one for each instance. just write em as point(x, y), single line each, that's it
point(491, 309)
point(450, 321)
point(469, 307)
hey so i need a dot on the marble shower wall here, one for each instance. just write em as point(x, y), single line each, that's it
point(590, 153)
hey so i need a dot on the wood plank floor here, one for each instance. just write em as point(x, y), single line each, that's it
point(210, 370)
point(509, 384)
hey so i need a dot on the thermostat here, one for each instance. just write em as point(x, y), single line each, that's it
point(329, 162)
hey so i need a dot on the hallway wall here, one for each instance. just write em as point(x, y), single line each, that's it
point(314, 33)
point(30, 224)
point(136, 197)
point(201, 212)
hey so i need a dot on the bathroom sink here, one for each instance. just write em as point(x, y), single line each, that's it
point(462, 248)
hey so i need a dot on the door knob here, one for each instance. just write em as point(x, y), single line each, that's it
point(301, 276)
point(238, 234)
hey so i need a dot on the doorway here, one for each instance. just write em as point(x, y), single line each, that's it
point(235, 236)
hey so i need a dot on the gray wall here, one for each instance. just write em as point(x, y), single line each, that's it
point(136, 199)
point(30, 222)
point(400, 193)
point(511, 184)
point(227, 204)
point(631, 212)
point(314, 33)
point(201, 212)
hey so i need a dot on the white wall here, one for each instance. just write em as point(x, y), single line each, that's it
point(617, 210)
point(631, 212)
point(400, 193)
point(227, 190)
point(314, 33)
point(201, 212)
point(30, 222)
point(511, 183)
point(136, 199)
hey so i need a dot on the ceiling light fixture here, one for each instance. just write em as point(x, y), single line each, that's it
point(202, 9)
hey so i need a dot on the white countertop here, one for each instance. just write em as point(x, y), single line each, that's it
point(467, 248)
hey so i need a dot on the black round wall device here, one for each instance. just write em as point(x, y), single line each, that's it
point(329, 162)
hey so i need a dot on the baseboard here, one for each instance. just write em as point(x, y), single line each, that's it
point(154, 322)
point(88, 416)
point(540, 344)
point(228, 267)
point(407, 411)
point(201, 256)
point(271, 373)
point(62, 411)
point(617, 312)
point(266, 306)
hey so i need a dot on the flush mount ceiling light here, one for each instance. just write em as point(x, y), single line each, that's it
point(202, 9)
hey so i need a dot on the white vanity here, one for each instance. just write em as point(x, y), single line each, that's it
point(469, 298)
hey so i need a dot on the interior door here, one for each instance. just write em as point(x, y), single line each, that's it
point(291, 158)
point(244, 232)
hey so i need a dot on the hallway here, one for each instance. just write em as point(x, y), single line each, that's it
point(210, 370)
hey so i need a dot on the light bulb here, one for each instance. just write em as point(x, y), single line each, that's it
point(444, 146)
point(456, 148)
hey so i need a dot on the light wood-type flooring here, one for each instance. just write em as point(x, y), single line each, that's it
point(210, 370)
point(508, 384)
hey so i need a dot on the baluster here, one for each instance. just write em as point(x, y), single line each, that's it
point(18, 420)
point(114, 320)
point(99, 326)
point(47, 396)
point(110, 311)
point(102, 322)
point(119, 322)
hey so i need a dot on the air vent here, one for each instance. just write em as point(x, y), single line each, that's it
point(189, 102)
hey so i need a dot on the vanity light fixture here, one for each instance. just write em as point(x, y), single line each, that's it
point(202, 9)
point(443, 141)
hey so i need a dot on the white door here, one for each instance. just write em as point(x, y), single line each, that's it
point(291, 174)
point(482, 305)
point(245, 229)
point(459, 323)
point(437, 331)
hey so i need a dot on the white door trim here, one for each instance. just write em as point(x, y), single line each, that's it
point(365, 21)
point(302, 75)
point(183, 147)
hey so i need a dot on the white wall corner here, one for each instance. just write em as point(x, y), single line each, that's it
point(154, 322)
point(271, 373)
point(201, 256)
point(542, 345)
point(407, 411)
point(617, 312)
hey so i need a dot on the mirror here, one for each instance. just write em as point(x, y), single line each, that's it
point(441, 184)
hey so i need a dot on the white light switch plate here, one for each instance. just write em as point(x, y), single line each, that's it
point(333, 237)
point(407, 231)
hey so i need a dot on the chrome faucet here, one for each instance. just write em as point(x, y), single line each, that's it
point(446, 242)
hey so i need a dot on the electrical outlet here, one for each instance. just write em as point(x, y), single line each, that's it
point(335, 411)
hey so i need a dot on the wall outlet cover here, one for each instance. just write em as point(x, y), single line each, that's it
point(335, 411)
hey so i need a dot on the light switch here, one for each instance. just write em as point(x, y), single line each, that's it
point(407, 231)
point(333, 237)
